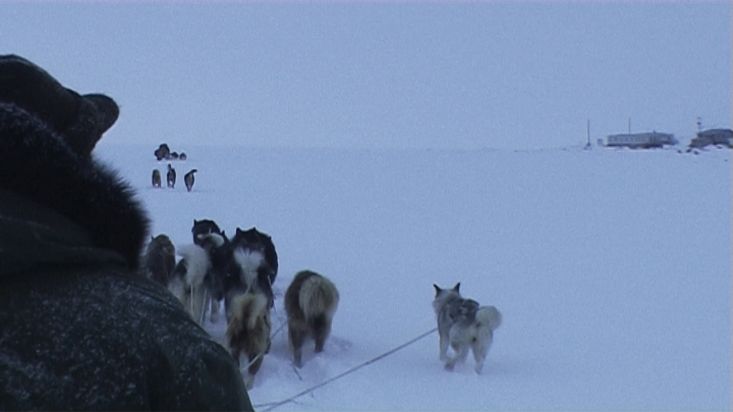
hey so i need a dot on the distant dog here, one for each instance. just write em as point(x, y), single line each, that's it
point(171, 176)
point(464, 326)
point(310, 303)
point(160, 259)
point(188, 280)
point(188, 179)
point(156, 178)
point(248, 331)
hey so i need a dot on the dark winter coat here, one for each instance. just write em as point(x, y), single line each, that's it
point(78, 328)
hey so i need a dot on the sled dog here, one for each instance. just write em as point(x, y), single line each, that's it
point(188, 280)
point(156, 178)
point(248, 331)
point(216, 246)
point(253, 239)
point(160, 259)
point(310, 303)
point(171, 176)
point(247, 273)
point(189, 179)
point(202, 227)
point(464, 325)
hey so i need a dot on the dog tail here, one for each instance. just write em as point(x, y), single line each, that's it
point(488, 316)
point(197, 263)
point(318, 298)
point(246, 308)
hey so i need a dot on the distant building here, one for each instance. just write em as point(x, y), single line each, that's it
point(640, 140)
point(713, 137)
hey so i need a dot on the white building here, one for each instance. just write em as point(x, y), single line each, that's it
point(640, 140)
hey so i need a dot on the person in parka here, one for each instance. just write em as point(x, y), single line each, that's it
point(80, 329)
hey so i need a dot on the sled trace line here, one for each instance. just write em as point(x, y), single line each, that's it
point(273, 405)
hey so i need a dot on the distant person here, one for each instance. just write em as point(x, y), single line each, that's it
point(163, 152)
point(79, 328)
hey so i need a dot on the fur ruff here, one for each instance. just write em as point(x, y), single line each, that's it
point(38, 164)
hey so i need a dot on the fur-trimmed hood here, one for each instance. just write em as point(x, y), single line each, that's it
point(65, 206)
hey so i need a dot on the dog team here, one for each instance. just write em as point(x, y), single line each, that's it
point(241, 271)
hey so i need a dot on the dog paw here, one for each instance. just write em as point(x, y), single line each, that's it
point(449, 366)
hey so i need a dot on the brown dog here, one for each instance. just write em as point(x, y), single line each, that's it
point(249, 331)
point(310, 302)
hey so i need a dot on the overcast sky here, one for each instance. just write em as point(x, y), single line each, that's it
point(387, 74)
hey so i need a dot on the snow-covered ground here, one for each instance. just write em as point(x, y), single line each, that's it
point(612, 269)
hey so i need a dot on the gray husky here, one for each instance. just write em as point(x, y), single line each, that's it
point(464, 325)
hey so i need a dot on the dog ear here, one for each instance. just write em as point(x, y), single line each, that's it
point(437, 289)
point(457, 287)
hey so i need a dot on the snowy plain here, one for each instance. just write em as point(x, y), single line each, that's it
point(612, 269)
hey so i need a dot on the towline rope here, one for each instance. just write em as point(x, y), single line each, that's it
point(273, 405)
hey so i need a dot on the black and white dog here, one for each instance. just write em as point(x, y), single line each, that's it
point(255, 260)
point(203, 227)
point(246, 263)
